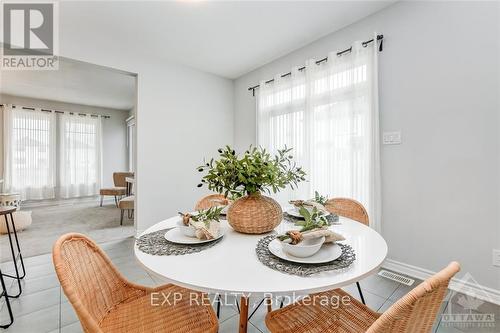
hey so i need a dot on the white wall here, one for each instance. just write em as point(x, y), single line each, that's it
point(439, 85)
point(182, 114)
point(114, 149)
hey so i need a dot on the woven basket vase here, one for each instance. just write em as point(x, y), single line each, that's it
point(254, 214)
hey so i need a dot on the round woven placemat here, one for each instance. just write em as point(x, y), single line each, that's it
point(270, 260)
point(155, 244)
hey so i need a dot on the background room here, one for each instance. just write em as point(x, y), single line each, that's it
point(65, 133)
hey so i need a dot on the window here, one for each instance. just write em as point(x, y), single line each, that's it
point(29, 153)
point(328, 114)
point(80, 155)
point(49, 156)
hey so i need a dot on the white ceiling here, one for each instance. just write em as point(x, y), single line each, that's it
point(228, 39)
point(225, 38)
point(75, 82)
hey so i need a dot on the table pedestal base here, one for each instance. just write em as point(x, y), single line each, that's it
point(243, 314)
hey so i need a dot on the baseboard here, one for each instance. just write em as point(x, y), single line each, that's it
point(467, 285)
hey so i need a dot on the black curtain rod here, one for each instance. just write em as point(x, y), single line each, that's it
point(57, 111)
point(365, 43)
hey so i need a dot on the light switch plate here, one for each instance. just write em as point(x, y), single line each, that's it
point(496, 258)
point(391, 138)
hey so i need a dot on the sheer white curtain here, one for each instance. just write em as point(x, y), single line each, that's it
point(329, 114)
point(29, 153)
point(80, 155)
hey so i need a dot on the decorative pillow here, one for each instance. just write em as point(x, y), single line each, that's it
point(22, 220)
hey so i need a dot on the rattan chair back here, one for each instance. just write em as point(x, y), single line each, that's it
point(417, 310)
point(88, 278)
point(348, 208)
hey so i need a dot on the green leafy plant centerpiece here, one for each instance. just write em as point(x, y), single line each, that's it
point(246, 177)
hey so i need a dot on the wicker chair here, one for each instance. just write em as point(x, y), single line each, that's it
point(106, 302)
point(414, 313)
point(211, 200)
point(348, 208)
point(351, 209)
point(120, 188)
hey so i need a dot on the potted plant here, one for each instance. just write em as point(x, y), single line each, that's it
point(245, 178)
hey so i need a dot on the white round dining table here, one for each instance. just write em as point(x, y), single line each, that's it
point(232, 267)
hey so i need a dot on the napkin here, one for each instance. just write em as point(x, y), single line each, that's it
point(296, 236)
point(309, 204)
point(206, 230)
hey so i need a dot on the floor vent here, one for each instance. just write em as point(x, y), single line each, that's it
point(396, 277)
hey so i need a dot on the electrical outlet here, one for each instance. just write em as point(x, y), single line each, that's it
point(391, 138)
point(496, 258)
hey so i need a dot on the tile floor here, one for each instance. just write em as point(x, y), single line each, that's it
point(43, 307)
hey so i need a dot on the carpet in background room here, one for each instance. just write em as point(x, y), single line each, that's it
point(102, 224)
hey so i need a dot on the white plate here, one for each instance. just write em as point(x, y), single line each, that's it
point(327, 253)
point(176, 236)
point(293, 212)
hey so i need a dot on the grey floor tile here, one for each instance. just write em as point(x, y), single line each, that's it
point(31, 261)
point(42, 321)
point(227, 309)
point(372, 300)
point(73, 328)
point(35, 285)
point(68, 314)
point(231, 325)
point(145, 281)
point(34, 271)
point(379, 286)
point(351, 289)
point(387, 304)
point(119, 261)
point(258, 319)
point(35, 302)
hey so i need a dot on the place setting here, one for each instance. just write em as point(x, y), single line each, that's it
point(309, 247)
point(319, 201)
point(193, 232)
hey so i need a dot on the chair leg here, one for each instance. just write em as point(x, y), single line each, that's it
point(7, 302)
point(116, 201)
point(360, 293)
point(102, 198)
point(121, 216)
point(218, 306)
